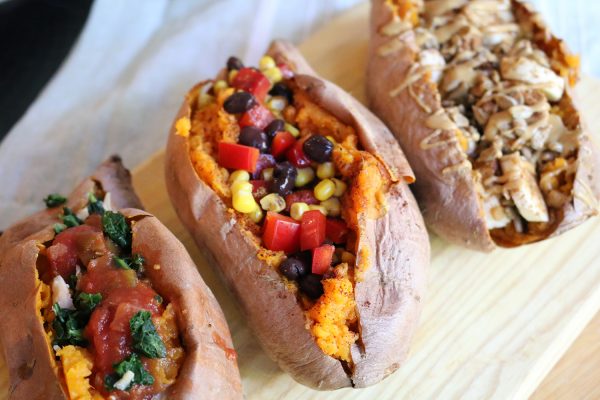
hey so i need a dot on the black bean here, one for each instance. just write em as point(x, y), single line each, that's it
point(253, 137)
point(275, 126)
point(234, 63)
point(281, 89)
point(292, 268)
point(284, 178)
point(311, 286)
point(264, 161)
point(239, 102)
point(318, 148)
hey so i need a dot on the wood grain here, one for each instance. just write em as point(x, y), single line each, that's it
point(493, 325)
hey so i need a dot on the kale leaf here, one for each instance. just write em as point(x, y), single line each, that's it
point(54, 200)
point(133, 364)
point(115, 226)
point(68, 327)
point(86, 302)
point(95, 206)
point(145, 337)
point(135, 262)
point(69, 219)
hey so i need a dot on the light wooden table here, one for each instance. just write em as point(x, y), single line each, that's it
point(577, 374)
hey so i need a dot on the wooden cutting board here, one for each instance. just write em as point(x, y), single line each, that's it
point(493, 324)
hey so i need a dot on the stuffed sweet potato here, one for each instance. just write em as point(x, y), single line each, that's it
point(478, 94)
point(299, 196)
point(101, 301)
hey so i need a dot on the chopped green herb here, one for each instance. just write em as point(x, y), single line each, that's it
point(58, 228)
point(133, 364)
point(95, 206)
point(137, 262)
point(121, 262)
point(68, 327)
point(86, 302)
point(145, 337)
point(69, 219)
point(54, 200)
point(115, 226)
point(134, 262)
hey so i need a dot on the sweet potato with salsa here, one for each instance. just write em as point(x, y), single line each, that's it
point(101, 301)
point(479, 95)
point(300, 198)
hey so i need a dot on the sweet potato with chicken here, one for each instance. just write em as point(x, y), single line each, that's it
point(479, 95)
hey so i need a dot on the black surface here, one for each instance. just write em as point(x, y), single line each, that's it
point(35, 37)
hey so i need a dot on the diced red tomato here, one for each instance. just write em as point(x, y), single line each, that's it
point(321, 258)
point(264, 161)
point(281, 233)
point(108, 348)
point(253, 81)
point(108, 328)
point(312, 230)
point(103, 276)
point(300, 196)
point(259, 188)
point(336, 230)
point(62, 259)
point(296, 156)
point(286, 71)
point(258, 116)
point(238, 156)
point(282, 141)
point(82, 243)
point(142, 297)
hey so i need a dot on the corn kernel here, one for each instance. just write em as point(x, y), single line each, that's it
point(326, 170)
point(291, 129)
point(273, 202)
point(256, 215)
point(244, 202)
point(304, 176)
point(333, 206)
point(205, 99)
point(277, 104)
point(267, 174)
point(340, 187)
point(331, 139)
point(239, 175)
point(297, 210)
point(241, 186)
point(324, 189)
point(312, 207)
point(266, 62)
point(232, 75)
point(273, 74)
point(219, 85)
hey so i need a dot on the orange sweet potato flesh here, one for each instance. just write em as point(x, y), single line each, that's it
point(449, 201)
point(395, 247)
point(209, 368)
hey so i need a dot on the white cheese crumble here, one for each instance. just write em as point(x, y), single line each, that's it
point(125, 381)
point(61, 294)
point(107, 203)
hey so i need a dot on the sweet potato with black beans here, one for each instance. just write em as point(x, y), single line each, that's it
point(299, 197)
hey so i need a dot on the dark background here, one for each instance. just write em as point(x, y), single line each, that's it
point(35, 38)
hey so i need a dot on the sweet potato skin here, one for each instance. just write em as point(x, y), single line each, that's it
point(210, 365)
point(449, 201)
point(392, 288)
